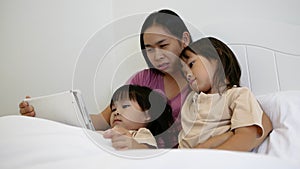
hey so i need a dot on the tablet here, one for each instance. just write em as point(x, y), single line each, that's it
point(66, 107)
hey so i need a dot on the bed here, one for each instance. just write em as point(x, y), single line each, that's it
point(270, 67)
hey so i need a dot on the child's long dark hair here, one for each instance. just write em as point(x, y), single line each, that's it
point(149, 100)
point(229, 72)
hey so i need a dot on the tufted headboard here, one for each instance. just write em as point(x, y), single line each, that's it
point(268, 52)
point(266, 70)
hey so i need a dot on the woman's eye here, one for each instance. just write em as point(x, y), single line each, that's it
point(163, 46)
point(149, 49)
point(125, 106)
point(191, 64)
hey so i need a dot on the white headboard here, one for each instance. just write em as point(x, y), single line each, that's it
point(268, 52)
point(267, 70)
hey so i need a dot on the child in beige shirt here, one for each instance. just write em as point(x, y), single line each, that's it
point(217, 103)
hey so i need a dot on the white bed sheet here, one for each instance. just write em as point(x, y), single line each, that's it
point(37, 143)
point(283, 108)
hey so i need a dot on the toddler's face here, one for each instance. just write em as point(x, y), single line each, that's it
point(128, 114)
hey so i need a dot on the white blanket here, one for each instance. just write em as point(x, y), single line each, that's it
point(28, 142)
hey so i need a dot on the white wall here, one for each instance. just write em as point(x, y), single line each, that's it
point(40, 41)
point(43, 42)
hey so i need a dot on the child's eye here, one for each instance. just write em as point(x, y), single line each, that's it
point(191, 64)
point(125, 106)
point(113, 109)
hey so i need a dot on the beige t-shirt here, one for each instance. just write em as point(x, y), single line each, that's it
point(207, 115)
point(143, 136)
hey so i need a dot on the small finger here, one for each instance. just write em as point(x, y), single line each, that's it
point(120, 130)
point(119, 146)
point(23, 104)
point(27, 110)
point(32, 114)
point(108, 133)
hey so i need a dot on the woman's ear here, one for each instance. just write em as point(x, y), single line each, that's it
point(186, 39)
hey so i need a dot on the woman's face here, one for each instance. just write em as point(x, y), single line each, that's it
point(128, 114)
point(162, 49)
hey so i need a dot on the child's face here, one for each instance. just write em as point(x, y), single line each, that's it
point(199, 72)
point(162, 49)
point(128, 114)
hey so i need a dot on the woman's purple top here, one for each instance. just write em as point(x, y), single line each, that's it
point(155, 81)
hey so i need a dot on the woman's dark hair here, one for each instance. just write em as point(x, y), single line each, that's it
point(149, 100)
point(229, 72)
point(168, 20)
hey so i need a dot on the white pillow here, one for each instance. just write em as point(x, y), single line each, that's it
point(283, 109)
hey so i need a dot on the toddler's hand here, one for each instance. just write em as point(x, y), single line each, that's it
point(120, 138)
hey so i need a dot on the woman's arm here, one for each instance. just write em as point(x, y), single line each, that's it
point(101, 120)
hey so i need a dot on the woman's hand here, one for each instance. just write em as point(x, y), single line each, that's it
point(121, 139)
point(26, 109)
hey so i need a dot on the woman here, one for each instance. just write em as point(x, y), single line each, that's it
point(163, 36)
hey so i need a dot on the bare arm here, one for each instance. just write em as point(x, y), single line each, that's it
point(101, 120)
point(268, 127)
point(244, 139)
point(218, 142)
point(215, 141)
